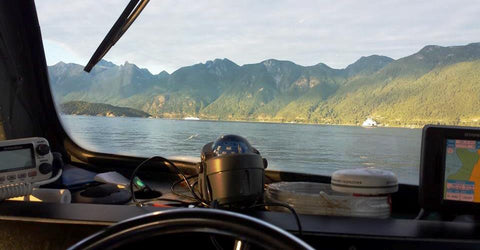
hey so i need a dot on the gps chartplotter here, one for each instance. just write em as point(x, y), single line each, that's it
point(450, 169)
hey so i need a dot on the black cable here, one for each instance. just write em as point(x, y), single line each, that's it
point(183, 203)
point(172, 188)
point(184, 196)
point(214, 204)
point(213, 239)
point(134, 173)
point(215, 243)
point(292, 210)
point(420, 214)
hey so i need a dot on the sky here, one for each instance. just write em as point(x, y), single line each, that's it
point(170, 34)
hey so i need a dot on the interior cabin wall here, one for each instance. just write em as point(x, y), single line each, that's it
point(26, 105)
point(16, 112)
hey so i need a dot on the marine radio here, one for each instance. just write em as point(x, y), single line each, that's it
point(24, 163)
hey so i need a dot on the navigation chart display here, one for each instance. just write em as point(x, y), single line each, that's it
point(462, 171)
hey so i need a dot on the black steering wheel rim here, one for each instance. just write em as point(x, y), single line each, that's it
point(194, 220)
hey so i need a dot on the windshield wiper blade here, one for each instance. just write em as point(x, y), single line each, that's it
point(128, 16)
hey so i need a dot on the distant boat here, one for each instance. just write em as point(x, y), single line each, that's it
point(191, 118)
point(369, 123)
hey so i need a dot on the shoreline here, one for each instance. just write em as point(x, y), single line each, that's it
point(266, 122)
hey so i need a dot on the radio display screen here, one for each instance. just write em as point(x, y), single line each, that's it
point(462, 171)
point(16, 159)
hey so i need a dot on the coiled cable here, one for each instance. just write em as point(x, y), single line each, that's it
point(15, 190)
point(25, 188)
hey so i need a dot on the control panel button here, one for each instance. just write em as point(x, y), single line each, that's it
point(45, 168)
point(32, 173)
point(11, 177)
point(43, 149)
point(22, 176)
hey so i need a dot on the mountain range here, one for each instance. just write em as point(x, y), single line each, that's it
point(435, 85)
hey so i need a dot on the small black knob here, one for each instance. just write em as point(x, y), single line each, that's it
point(43, 149)
point(45, 168)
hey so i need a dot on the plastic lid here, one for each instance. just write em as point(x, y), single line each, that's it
point(366, 181)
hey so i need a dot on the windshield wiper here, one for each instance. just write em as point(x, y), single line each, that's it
point(126, 19)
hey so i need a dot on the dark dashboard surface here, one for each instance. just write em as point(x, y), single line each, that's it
point(333, 231)
point(398, 232)
point(312, 224)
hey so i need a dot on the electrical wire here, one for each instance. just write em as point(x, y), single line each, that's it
point(215, 243)
point(24, 189)
point(292, 210)
point(214, 204)
point(15, 190)
point(51, 180)
point(164, 160)
point(183, 203)
point(194, 195)
point(420, 214)
point(172, 188)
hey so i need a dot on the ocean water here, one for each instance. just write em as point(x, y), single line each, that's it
point(318, 149)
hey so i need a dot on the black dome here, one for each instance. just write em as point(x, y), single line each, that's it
point(231, 144)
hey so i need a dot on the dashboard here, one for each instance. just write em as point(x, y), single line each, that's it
point(319, 231)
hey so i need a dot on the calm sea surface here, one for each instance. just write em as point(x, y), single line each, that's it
point(318, 149)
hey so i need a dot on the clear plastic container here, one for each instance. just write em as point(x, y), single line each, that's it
point(320, 199)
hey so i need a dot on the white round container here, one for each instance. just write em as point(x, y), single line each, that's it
point(364, 181)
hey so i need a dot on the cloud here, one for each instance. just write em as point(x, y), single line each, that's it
point(174, 33)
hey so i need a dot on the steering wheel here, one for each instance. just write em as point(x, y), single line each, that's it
point(192, 220)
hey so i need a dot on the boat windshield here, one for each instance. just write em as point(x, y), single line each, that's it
point(315, 86)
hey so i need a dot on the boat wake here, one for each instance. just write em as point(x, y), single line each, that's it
point(191, 137)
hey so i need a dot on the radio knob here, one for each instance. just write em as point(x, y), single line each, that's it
point(43, 149)
point(45, 168)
